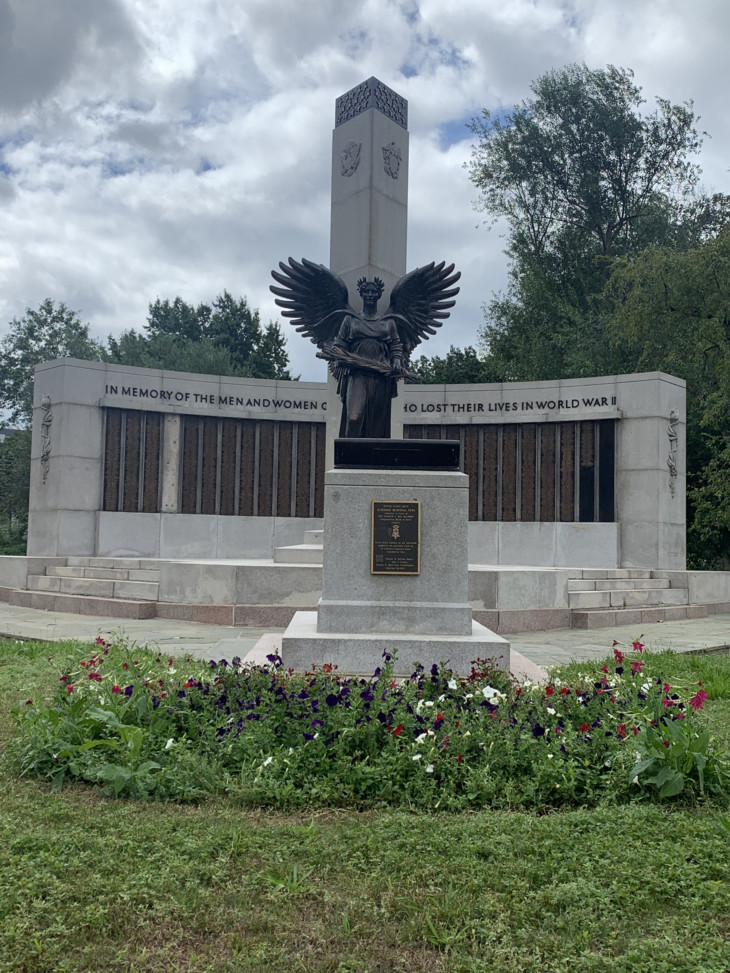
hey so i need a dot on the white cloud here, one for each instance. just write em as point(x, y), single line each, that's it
point(150, 148)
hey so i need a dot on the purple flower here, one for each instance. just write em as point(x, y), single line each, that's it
point(129, 690)
point(538, 730)
point(332, 700)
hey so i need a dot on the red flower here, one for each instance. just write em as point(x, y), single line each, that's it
point(666, 702)
point(460, 758)
point(604, 668)
point(189, 683)
point(116, 689)
point(95, 676)
point(697, 701)
point(637, 645)
point(398, 730)
point(666, 687)
point(564, 691)
point(621, 730)
point(549, 691)
point(635, 730)
point(636, 667)
point(63, 679)
point(69, 688)
point(457, 723)
point(584, 728)
point(618, 655)
point(327, 667)
point(615, 642)
point(125, 666)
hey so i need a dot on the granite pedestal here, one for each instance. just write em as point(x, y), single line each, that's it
point(424, 617)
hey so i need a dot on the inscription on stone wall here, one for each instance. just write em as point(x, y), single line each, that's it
point(396, 537)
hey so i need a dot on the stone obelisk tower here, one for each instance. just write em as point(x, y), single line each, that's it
point(369, 198)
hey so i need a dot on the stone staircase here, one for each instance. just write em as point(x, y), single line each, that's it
point(626, 596)
point(118, 586)
point(309, 552)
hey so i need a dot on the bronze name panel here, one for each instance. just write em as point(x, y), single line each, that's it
point(396, 537)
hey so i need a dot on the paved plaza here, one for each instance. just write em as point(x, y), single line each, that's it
point(531, 651)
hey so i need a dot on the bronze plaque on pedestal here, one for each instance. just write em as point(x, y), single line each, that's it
point(396, 537)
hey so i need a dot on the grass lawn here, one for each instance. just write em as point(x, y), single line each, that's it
point(97, 884)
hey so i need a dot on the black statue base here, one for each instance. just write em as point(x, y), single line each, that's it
point(397, 454)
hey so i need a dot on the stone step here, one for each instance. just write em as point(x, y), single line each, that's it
point(82, 604)
point(605, 618)
point(299, 554)
point(104, 574)
point(96, 587)
point(616, 584)
point(108, 562)
point(640, 598)
point(598, 574)
point(313, 537)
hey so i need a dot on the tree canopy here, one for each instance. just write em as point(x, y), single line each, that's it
point(51, 331)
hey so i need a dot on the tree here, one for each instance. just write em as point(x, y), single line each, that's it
point(460, 366)
point(582, 178)
point(225, 337)
point(671, 311)
point(14, 483)
point(52, 331)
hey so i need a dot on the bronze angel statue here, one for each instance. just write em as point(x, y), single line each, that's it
point(367, 352)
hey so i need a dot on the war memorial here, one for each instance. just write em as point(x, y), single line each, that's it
point(520, 506)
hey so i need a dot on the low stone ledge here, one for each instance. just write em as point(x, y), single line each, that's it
point(531, 620)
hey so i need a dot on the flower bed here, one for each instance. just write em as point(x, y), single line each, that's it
point(145, 726)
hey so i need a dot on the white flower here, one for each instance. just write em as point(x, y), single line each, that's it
point(550, 756)
point(442, 698)
point(267, 761)
point(416, 756)
point(169, 743)
point(421, 736)
point(635, 780)
point(469, 696)
point(429, 769)
point(551, 711)
point(453, 684)
point(490, 693)
point(428, 702)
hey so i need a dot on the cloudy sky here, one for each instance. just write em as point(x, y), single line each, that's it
point(150, 148)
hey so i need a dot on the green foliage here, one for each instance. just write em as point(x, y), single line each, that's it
point(460, 366)
point(671, 312)
point(225, 338)
point(142, 726)
point(51, 331)
point(91, 883)
point(14, 487)
point(582, 178)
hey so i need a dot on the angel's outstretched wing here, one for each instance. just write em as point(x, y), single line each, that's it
point(314, 297)
point(419, 302)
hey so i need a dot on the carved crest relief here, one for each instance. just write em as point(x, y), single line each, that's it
point(350, 158)
point(46, 422)
point(392, 159)
point(672, 457)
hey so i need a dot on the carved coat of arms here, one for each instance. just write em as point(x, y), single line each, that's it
point(350, 158)
point(392, 159)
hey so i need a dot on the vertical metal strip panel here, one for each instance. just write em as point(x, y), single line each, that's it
point(576, 472)
point(518, 473)
point(462, 443)
point(480, 475)
point(256, 466)
point(218, 466)
point(142, 453)
point(596, 470)
point(199, 468)
point(293, 480)
point(558, 444)
point(538, 470)
point(112, 448)
point(275, 470)
point(237, 471)
point(122, 457)
point(160, 447)
point(312, 467)
point(500, 451)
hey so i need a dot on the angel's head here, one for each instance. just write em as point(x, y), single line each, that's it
point(370, 291)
